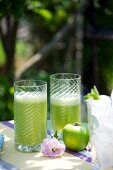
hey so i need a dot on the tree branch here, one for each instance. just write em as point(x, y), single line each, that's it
point(46, 49)
point(13, 35)
point(99, 35)
point(8, 25)
point(3, 38)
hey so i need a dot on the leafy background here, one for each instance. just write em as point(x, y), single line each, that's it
point(27, 26)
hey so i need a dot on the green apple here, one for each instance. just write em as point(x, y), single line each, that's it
point(76, 137)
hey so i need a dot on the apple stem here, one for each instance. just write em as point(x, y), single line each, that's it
point(77, 124)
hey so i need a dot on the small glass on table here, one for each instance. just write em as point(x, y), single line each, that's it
point(30, 114)
point(100, 119)
point(65, 105)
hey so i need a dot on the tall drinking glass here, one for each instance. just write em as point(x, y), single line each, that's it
point(65, 104)
point(30, 114)
point(100, 120)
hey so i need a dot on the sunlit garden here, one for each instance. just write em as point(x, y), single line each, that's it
point(39, 38)
point(56, 84)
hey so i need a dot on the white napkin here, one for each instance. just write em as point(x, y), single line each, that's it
point(100, 113)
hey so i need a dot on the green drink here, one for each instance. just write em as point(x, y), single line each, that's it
point(30, 118)
point(64, 111)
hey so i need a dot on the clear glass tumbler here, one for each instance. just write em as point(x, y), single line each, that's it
point(65, 105)
point(101, 133)
point(93, 125)
point(30, 114)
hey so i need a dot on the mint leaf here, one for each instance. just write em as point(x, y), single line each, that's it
point(94, 94)
point(96, 91)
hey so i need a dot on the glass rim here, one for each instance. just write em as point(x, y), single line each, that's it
point(54, 76)
point(41, 83)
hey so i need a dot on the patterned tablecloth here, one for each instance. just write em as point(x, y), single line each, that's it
point(11, 159)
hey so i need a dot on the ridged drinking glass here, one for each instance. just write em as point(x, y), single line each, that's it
point(65, 104)
point(30, 114)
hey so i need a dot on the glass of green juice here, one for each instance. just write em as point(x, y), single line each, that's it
point(30, 114)
point(65, 105)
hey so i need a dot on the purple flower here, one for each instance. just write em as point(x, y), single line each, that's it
point(52, 148)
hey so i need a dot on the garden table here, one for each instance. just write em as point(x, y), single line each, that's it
point(11, 159)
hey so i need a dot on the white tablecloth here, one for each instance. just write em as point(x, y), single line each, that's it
point(11, 159)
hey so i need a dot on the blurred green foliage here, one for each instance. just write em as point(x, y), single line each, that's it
point(99, 20)
point(6, 99)
point(45, 18)
point(14, 7)
point(106, 4)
